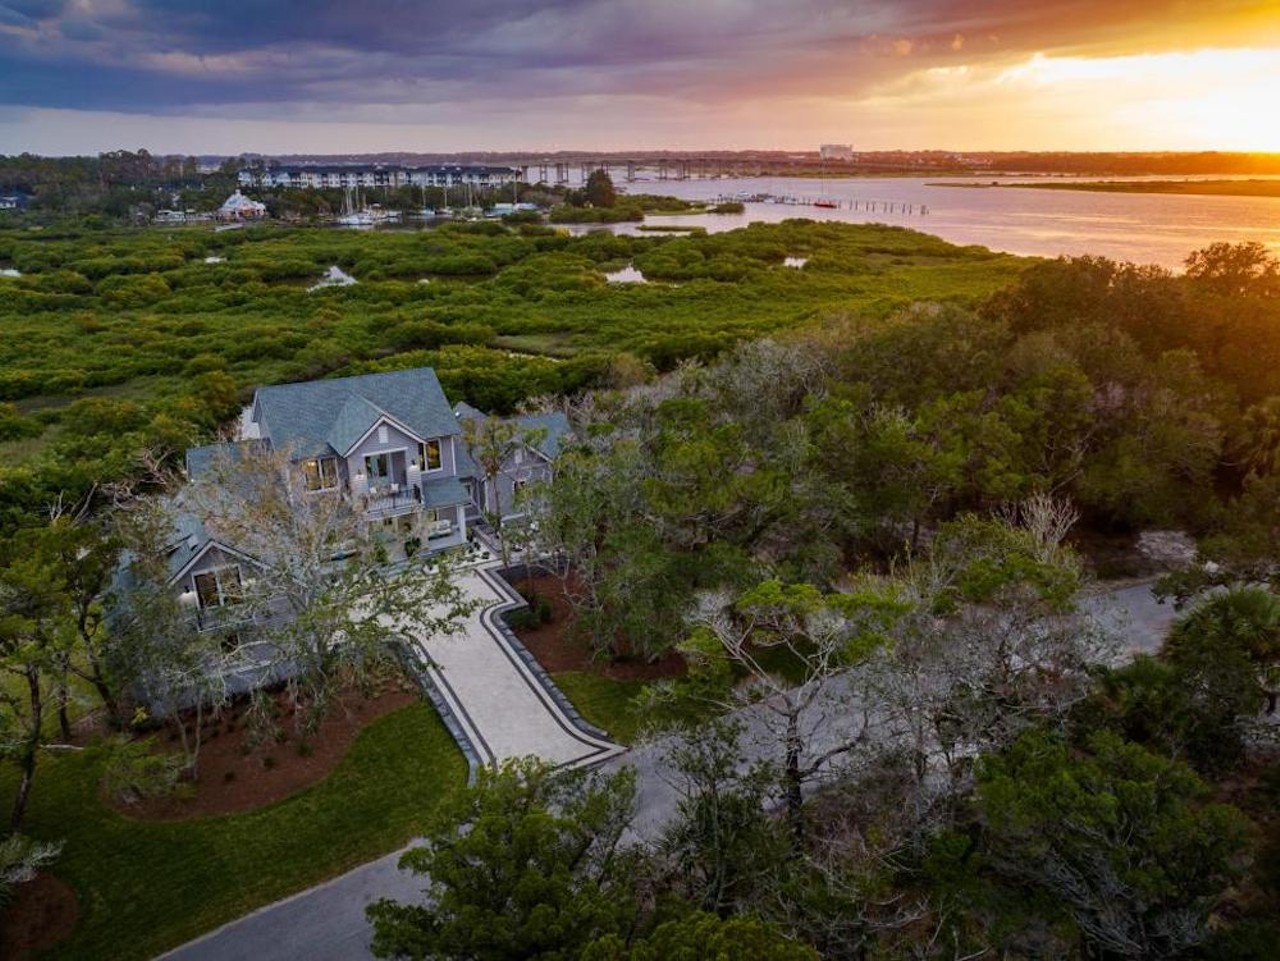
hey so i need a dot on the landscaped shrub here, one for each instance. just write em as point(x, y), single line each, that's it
point(134, 772)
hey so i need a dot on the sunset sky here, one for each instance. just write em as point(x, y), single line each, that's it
point(324, 76)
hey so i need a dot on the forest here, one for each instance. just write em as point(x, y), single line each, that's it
point(859, 498)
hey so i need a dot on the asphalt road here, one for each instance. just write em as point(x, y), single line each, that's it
point(327, 922)
point(1135, 614)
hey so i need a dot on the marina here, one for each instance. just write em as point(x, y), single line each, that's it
point(853, 205)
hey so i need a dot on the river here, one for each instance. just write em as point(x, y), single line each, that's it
point(1140, 228)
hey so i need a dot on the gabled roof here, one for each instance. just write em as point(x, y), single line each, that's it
point(191, 540)
point(322, 417)
point(551, 428)
point(357, 417)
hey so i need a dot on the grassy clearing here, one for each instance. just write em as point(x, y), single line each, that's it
point(609, 704)
point(145, 887)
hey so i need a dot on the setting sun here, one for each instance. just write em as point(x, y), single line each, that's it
point(1204, 100)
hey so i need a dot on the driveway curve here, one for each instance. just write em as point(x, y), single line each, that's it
point(327, 923)
point(499, 704)
point(497, 701)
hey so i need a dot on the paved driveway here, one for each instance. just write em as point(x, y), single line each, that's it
point(499, 702)
point(327, 923)
point(503, 703)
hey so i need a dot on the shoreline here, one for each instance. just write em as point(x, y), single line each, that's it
point(1180, 188)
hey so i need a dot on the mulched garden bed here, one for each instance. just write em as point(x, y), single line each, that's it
point(557, 650)
point(234, 779)
point(43, 913)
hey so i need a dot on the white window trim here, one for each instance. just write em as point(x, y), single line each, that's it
point(426, 466)
point(217, 581)
point(337, 475)
point(384, 420)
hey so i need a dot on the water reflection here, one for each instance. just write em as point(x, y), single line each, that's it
point(1143, 228)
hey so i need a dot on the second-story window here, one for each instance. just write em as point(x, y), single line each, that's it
point(321, 473)
point(219, 587)
point(429, 456)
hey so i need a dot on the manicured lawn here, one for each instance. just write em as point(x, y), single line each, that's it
point(607, 704)
point(145, 887)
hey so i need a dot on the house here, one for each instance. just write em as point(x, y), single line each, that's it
point(240, 207)
point(210, 579)
point(494, 478)
point(208, 575)
point(14, 201)
point(388, 444)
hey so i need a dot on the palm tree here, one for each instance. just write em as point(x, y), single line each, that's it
point(1260, 438)
point(1241, 621)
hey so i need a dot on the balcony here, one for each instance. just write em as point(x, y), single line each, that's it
point(238, 616)
point(391, 501)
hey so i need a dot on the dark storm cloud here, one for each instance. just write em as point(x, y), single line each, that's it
point(171, 55)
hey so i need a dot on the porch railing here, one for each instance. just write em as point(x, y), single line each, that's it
point(387, 503)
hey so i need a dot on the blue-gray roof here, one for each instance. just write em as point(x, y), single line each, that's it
point(200, 460)
point(189, 538)
point(328, 416)
point(551, 430)
point(354, 420)
point(445, 492)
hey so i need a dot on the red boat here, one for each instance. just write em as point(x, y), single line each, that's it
point(827, 204)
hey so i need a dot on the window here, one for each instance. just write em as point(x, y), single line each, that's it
point(219, 587)
point(321, 473)
point(429, 456)
point(378, 467)
point(382, 433)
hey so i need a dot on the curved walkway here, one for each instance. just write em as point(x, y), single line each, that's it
point(499, 704)
point(495, 698)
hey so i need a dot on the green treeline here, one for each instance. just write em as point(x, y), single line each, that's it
point(116, 343)
point(854, 534)
point(1146, 400)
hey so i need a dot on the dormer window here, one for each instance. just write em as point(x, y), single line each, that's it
point(321, 473)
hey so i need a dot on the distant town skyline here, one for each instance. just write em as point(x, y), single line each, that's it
point(326, 77)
